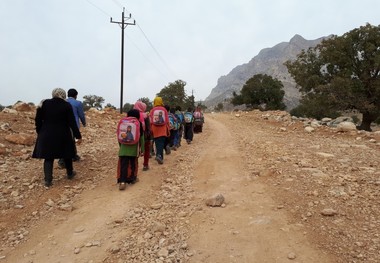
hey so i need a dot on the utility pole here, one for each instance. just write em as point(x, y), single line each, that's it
point(123, 24)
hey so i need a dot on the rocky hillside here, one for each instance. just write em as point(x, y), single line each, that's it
point(269, 61)
point(293, 190)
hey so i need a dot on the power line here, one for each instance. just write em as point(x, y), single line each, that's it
point(162, 74)
point(97, 7)
point(117, 3)
point(155, 50)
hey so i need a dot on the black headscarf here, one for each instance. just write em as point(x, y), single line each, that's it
point(134, 113)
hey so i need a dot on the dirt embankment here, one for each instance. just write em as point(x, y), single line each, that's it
point(290, 195)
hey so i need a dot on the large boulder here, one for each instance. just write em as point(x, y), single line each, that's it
point(21, 138)
point(22, 106)
point(346, 126)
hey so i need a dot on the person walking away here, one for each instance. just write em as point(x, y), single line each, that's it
point(55, 127)
point(189, 125)
point(181, 121)
point(79, 115)
point(129, 151)
point(159, 128)
point(198, 120)
point(174, 126)
point(144, 119)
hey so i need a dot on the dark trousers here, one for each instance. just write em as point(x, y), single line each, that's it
point(189, 132)
point(48, 168)
point(160, 144)
point(146, 152)
point(127, 169)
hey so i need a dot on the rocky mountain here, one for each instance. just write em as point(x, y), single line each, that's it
point(269, 61)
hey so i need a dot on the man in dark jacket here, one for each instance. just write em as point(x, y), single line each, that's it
point(56, 126)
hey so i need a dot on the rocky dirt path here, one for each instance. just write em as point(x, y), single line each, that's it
point(251, 227)
point(275, 177)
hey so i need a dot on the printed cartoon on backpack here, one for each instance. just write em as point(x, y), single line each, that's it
point(128, 131)
point(188, 117)
point(159, 116)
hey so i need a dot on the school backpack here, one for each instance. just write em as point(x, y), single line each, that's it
point(128, 131)
point(180, 117)
point(173, 123)
point(188, 117)
point(159, 116)
point(197, 115)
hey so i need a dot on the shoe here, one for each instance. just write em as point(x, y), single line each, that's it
point(145, 168)
point(122, 186)
point(167, 149)
point(76, 158)
point(159, 160)
point(48, 184)
point(71, 176)
point(133, 181)
point(188, 141)
point(61, 164)
point(174, 148)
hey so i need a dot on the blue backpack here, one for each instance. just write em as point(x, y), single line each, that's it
point(180, 117)
point(188, 117)
point(173, 123)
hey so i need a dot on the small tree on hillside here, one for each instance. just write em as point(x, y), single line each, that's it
point(127, 107)
point(92, 101)
point(261, 92)
point(189, 102)
point(219, 107)
point(344, 71)
point(174, 93)
point(109, 105)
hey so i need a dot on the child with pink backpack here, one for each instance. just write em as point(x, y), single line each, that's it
point(131, 141)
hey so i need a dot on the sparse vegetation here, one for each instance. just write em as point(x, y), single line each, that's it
point(343, 72)
point(174, 95)
point(92, 101)
point(261, 92)
point(219, 107)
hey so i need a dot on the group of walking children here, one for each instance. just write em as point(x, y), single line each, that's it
point(139, 133)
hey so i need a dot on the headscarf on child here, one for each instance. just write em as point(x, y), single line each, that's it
point(141, 107)
point(158, 102)
point(135, 113)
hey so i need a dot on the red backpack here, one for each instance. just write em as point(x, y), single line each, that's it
point(159, 116)
point(128, 131)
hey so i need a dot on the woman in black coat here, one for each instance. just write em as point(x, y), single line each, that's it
point(56, 126)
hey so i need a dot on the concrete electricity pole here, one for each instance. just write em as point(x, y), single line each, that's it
point(123, 24)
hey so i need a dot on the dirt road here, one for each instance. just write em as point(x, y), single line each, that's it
point(163, 218)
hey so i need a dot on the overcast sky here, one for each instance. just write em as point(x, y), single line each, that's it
point(46, 44)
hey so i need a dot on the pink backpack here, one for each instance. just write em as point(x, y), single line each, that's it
point(159, 116)
point(128, 131)
point(197, 115)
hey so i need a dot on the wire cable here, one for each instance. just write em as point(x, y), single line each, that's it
point(97, 7)
point(116, 2)
point(155, 50)
point(162, 74)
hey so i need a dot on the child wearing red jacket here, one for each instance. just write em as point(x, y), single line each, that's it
point(159, 123)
